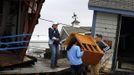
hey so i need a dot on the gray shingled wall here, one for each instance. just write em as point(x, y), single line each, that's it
point(106, 24)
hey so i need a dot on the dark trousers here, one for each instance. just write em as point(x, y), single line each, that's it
point(77, 70)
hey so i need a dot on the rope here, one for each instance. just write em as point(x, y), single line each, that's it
point(13, 48)
point(60, 23)
point(14, 36)
point(18, 42)
point(53, 22)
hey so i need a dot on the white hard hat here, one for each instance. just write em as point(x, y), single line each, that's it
point(55, 23)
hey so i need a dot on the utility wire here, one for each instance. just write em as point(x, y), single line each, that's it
point(39, 35)
point(53, 22)
point(62, 23)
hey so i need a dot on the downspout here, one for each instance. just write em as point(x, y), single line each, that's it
point(94, 24)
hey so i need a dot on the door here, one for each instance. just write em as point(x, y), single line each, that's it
point(125, 44)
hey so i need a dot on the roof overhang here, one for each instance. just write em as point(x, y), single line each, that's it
point(110, 10)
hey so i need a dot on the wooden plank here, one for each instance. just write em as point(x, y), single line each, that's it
point(83, 46)
point(95, 50)
point(106, 34)
point(89, 48)
point(11, 60)
point(104, 25)
point(107, 16)
point(106, 30)
point(41, 66)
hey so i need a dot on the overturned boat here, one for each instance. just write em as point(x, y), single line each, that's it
point(17, 21)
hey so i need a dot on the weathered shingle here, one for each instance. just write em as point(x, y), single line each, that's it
point(76, 29)
point(114, 4)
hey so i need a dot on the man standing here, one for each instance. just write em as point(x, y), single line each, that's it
point(54, 38)
point(104, 47)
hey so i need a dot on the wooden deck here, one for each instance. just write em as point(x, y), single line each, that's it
point(41, 66)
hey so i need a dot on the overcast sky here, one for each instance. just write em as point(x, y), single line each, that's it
point(61, 11)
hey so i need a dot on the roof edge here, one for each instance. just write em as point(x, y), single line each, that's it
point(65, 31)
point(110, 10)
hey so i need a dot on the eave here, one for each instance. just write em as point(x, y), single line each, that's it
point(110, 10)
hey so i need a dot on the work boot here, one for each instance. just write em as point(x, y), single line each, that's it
point(56, 66)
point(53, 66)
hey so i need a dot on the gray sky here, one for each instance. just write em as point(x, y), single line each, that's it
point(61, 11)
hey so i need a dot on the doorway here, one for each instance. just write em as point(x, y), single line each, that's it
point(126, 44)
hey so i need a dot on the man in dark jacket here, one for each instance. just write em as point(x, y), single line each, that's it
point(54, 38)
point(104, 47)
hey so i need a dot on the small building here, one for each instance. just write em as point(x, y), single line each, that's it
point(114, 19)
point(67, 30)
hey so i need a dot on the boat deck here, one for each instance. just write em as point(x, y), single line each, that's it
point(41, 66)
